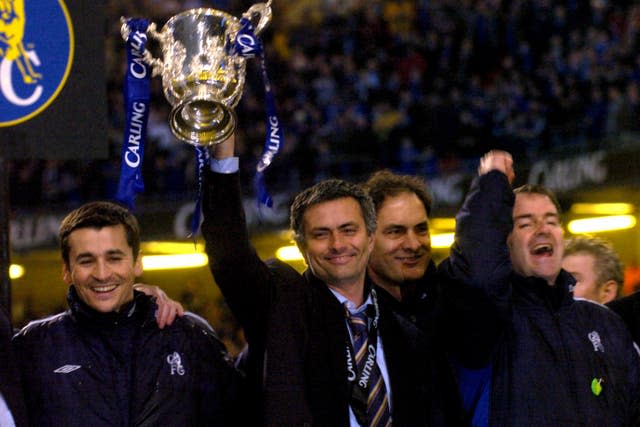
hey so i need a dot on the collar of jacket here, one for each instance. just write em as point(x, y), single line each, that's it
point(554, 297)
point(315, 282)
point(141, 309)
point(417, 291)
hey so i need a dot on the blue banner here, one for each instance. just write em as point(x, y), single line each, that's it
point(249, 45)
point(137, 92)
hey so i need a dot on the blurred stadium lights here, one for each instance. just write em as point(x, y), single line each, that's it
point(602, 208)
point(442, 240)
point(172, 255)
point(442, 234)
point(170, 247)
point(288, 253)
point(168, 262)
point(442, 223)
point(601, 224)
point(16, 271)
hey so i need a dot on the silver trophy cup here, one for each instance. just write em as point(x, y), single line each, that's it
point(202, 76)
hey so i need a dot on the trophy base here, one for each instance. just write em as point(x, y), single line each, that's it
point(202, 122)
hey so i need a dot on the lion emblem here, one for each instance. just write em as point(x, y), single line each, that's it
point(12, 22)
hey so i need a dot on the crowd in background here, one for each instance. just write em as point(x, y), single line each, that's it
point(422, 87)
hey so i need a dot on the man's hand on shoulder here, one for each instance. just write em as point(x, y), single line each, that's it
point(167, 310)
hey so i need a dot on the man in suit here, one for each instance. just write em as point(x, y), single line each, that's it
point(403, 270)
point(300, 346)
point(628, 307)
point(400, 262)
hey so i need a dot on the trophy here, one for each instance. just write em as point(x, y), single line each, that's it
point(202, 69)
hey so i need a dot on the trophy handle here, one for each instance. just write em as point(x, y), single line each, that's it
point(155, 64)
point(260, 12)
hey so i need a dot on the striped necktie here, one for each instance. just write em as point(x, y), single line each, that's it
point(378, 413)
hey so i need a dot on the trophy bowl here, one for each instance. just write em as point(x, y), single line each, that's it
point(202, 72)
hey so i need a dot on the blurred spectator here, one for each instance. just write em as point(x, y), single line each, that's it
point(353, 78)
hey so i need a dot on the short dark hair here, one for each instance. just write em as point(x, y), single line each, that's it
point(539, 189)
point(325, 191)
point(98, 215)
point(384, 183)
point(607, 265)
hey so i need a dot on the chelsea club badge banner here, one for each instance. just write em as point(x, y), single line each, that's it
point(52, 82)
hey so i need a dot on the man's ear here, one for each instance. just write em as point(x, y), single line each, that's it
point(137, 266)
point(66, 274)
point(372, 239)
point(303, 251)
point(608, 291)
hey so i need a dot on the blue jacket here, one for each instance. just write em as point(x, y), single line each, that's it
point(84, 368)
point(555, 361)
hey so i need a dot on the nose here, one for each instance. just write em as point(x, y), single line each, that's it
point(542, 227)
point(101, 271)
point(412, 241)
point(337, 241)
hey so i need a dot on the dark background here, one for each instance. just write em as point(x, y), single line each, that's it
point(74, 125)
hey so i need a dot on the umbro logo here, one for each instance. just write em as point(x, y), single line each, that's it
point(67, 369)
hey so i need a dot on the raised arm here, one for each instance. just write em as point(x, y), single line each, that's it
point(245, 281)
point(475, 276)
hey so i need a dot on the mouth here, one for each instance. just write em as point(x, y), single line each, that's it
point(339, 259)
point(105, 289)
point(542, 249)
point(410, 259)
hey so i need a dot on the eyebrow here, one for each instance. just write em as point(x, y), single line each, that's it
point(109, 252)
point(339, 227)
point(405, 226)
point(530, 216)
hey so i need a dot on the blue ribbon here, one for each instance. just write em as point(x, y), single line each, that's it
point(249, 45)
point(137, 92)
point(202, 158)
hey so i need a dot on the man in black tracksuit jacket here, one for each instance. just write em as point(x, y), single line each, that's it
point(83, 367)
point(105, 361)
point(556, 361)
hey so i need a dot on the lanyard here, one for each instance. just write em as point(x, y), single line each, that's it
point(360, 381)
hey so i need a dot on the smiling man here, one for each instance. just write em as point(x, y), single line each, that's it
point(305, 331)
point(100, 265)
point(401, 253)
point(400, 263)
point(105, 360)
point(555, 361)
point(404, 273)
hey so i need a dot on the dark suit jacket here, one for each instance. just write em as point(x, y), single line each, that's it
point(9, 381)
point(629, 309)
point(296, 330)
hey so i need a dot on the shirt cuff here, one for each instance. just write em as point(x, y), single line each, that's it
point(226, 165)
